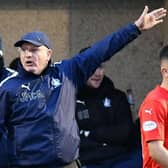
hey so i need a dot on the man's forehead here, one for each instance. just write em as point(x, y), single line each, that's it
point(164, 63)
point(30, 45)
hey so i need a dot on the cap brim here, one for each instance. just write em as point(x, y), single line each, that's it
point(20, 42)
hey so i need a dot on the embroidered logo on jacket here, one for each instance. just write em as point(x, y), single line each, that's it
point(28, 96)
point(55, 82)
point(107, 102)
point(24, 86)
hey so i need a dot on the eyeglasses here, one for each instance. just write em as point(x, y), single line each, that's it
point(32, 50)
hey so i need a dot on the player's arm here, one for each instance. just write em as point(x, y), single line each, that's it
point(158, 153)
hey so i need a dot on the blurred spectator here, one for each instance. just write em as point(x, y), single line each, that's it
point(4, 73)
point(14, 63)
point(109, 138)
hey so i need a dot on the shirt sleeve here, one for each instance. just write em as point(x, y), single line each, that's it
point(152, 117)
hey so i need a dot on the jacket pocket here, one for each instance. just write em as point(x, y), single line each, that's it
point(34, 142)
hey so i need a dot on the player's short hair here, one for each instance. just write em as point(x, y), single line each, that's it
point(164, 53)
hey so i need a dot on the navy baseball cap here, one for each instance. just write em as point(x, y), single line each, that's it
point(36, 38)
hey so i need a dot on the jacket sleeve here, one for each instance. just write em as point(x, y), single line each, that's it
point(84, 64)
point(4, 106)
point(116, 133)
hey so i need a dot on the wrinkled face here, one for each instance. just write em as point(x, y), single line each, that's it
point(34, 59)
point(96, 79)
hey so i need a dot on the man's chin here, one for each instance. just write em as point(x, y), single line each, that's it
point(95, 86)
point(31, 70)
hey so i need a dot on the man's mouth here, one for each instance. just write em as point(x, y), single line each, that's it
point(29, 63)
point(96, 79)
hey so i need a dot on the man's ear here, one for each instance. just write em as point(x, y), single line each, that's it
point(49, 54)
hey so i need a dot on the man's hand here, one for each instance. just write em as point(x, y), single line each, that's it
point(149, 20)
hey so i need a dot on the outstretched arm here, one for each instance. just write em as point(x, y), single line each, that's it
point(149, 20)
point(85, 63)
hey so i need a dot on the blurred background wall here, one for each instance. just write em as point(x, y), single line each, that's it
point(75, 24)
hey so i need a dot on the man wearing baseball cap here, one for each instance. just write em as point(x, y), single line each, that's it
point(38, 105)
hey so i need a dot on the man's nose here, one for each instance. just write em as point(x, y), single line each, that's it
point(28, 53)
